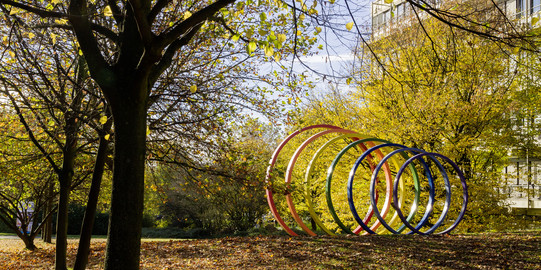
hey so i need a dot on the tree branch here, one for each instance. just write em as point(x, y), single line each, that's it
point(167, 57)
point(117, 13)
point(222, 22)
point(160, 4)
point(78, 16)
point(183, 27)
point(95, 27)
point(33, 9)
point(441, 14)
point(140, 10)
point(31, 133)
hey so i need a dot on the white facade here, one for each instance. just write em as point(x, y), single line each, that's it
point(523, 189)
point(388, 15)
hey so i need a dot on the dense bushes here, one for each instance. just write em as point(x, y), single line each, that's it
point(75, 221)
point(4, 228)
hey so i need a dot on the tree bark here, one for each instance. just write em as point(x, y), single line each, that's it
point(67, 172)
point(28, 241)
point(47, 230)
point(62, 224)
point(129, 114)
point(83, 250)
point(65, 179)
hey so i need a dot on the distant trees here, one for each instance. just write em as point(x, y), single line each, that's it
point(25, 181)
point(223, 192)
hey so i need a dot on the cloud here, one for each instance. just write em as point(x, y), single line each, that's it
point(322, 59)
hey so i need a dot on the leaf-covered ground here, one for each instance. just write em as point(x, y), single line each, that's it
point(481, 251)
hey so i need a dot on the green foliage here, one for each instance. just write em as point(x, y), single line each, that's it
point(75, 219)
point(443, 91)
point(451, 94)
point(25, 175)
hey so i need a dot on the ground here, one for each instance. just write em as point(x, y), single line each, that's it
point(476, 251)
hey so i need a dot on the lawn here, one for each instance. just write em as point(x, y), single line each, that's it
point(476, 251)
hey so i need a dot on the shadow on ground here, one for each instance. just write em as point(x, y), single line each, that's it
point(481, 251)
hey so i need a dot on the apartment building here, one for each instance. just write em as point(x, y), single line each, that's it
point(522, 177)
point(387, 15)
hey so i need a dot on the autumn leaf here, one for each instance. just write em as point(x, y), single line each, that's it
point(193, 89)
point(107, 11)
point(14, 11)
point(251, 47)
point(61, 21)
point(53, 38)
point(349, 26)
point(103, 120)
point(281, 38)
point(269, 51)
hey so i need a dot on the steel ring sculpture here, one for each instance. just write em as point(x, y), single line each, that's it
point(372, 149)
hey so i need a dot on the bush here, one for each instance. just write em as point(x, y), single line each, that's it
point(173, 232)
point(75, 221)
point(4, 228)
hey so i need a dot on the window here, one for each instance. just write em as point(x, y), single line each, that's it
point(535, 6)
point(386, 17)
point(377, 21)
point(521, 8)
point(399, 10)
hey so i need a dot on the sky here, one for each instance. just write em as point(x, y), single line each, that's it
point(333, 61)
point(331, 58)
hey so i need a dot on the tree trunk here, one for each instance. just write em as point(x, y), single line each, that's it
point(129, 114)
point(65, 179)
point(28, 241)
point(62, 213)
point(88, 222)
point(47, 230)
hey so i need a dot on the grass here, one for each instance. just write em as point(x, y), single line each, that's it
point(465, 251)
